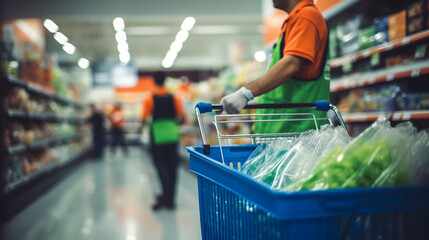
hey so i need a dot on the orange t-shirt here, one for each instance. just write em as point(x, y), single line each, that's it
point(306, 35)
point(117, 118)
point(147, 106)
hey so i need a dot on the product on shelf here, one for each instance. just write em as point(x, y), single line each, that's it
point(352, 102)
point(366, 38)
point(348, 35)
point(381, 33)
point(415, 18)
point(16, 132)
point(424, 100)
point(13, 170)
point(333, 43)
point(397, 25)
point(17, 99)
point(380, 98)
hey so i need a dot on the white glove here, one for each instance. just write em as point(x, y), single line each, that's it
point(235, 102)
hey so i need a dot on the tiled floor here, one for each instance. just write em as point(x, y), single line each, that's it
point(109, 199)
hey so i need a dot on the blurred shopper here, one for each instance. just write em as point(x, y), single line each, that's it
point(117, 126)
point(167, 112)
point(97, 121)
point(298, 71)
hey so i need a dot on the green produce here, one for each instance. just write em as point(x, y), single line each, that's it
point(356, 166)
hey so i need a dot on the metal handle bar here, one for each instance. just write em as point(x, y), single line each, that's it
point(322, 105)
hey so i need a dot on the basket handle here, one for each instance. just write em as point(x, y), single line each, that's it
point(202, 107)
point(322, 105)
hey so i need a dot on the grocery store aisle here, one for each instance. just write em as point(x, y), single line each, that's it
point(109, 199)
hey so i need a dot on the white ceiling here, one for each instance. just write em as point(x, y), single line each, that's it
point(151, 26)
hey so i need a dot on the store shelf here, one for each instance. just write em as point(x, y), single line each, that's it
point(338, 62)
point(395, 116)
point(41, 91)
point(43, 171)
point(43, 143)
point(338, 8)
point(385, 75)
point(42, 117)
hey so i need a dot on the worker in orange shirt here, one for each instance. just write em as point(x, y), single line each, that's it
point(166, 112)
point(298, 73)
point(118, 133)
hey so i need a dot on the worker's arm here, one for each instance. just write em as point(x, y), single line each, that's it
point(282, 71)
point(275, 76)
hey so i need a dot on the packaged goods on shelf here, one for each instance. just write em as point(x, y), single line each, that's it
point(380, 99)
point(348, 35)
point(17, 99)
point(333, 43)
point(408, 101)
point(381, 30)
point(397, 25)
point(366, 38)
point(352, 101)
point(415, 17)
point(424, 100)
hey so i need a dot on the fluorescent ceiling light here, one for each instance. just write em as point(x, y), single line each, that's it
point(50, 25)
point(176, 46)
point(69, 48)
point(83, 63)
point(124, 57)
point(118, 24)
point(188, 24)
point(260, 56)
point(61, 38)
point(121, 36)
point(182, 36)
point(167, 63)
point(171, 55)
point(123, 47)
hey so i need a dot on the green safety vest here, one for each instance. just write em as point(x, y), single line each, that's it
point(294, 91)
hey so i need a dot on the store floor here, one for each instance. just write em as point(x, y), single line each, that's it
point(109, 199)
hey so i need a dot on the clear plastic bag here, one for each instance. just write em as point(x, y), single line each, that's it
point(284, 161)
point(380, 156)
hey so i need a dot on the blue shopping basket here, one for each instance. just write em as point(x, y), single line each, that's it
point(235, 206)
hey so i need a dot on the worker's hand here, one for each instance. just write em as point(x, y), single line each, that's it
point(235, 102)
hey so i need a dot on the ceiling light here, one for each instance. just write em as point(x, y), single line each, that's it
point(121, 36)
point(61, 38)
point(176, 46)
point(50, 25)
point(118, 24)
point(69, 48)
point(167, 63)
point(124, 57)
point(83, 63)
point(123, 47)
point(188, 24)
point(171, 55)
point(260, 56)
point(182, 36)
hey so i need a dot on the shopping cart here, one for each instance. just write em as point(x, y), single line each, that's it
point(235, 206)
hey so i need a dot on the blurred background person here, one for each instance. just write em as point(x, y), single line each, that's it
point(117, 129)
point(97, 120)
point(167, 113)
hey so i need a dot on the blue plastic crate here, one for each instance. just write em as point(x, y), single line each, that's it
point(235, 206)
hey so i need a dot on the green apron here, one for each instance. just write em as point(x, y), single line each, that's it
point(294, 91)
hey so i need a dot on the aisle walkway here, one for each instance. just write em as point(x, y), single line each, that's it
point(109, 199)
